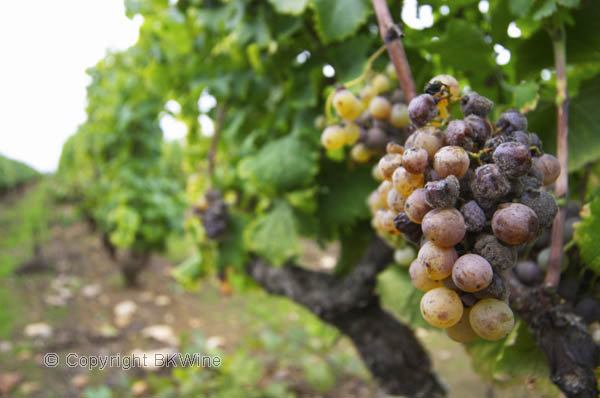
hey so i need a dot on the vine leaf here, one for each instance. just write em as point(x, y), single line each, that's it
point(335, 20)
point(584, 119)
point(586, 234)
point(274, 235)
point(526, 96)
point(293, 7)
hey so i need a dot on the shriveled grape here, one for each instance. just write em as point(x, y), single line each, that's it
point(500, 256)
point(458, 133)
point(422, 109)
point(474, 216)
point(513, 159)
point(511, 120)
point(412, 231)
point(442, 193)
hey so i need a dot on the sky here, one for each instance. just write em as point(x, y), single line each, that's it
point(45, 48)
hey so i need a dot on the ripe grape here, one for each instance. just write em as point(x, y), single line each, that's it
point(462, 332)
point(451, 83)
point(387, 222)
point(360, 153)
point(458, 133)
point(419, 278)
point(399, 116)
point(543, 204)
point(451, 160)
point(442, 193)
point(346, 105)
point(513, 159)
point(380, 107)
point(529, 273)
point(489, 183)
point(405, 256)
point(351, 133)
point(381, 83)
point(510, 121)
point(383, 190)
point(475, 104)
point(388, 164)
point(471, 273)
point(415, 160)
point(416, 207)
point(441, 307)
point(395, 201)
point(492, 319)
point(333, 137)
point(405, 182)
point(514, 223)
point(390, 70)
point(473, 215)
point(392, 147)
point(422, 109)
point(438, 260)
point(367, 93)
point(444, 227)
point(374, 202)
point(428, 138)
point(412, 231)
point(501, 257)
point(549, 167)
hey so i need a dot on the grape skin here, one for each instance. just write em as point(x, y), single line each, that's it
point(346, 105)
point(388, 164)
point(415, 160)
point(513, 159)
point(405, 183)
point(492, 319)
point(395, 201)
point(399, 116)
point(444, 227)
point(333, 137)
point(471, 273)
point(416, 207)
point(422, 109)
point(419, 278)
point(428, 138)
point(383, 190)
point(451, 160)
point(381, 83)
point(438, 261)
point(549, 167)
point(360, 153)
point(380, 107)
point(441, 307)
point(514, 223)
point(462, 332)
point(351, 133)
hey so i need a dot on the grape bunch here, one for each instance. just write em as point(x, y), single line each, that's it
point(470, 194)
point(213, 212)
point(370, 119)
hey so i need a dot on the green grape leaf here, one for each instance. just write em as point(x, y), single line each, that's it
point(232, 252)
point(520, 7)
point(343, 196)
point(282, 165)
point(526, 96)
point(293, 7)
point(586, 235)
point(584, 119)
point(545, 10)
point(353, 241)
point(400, 297)
point(569, 3)
point(336, 20)
point(274, 235)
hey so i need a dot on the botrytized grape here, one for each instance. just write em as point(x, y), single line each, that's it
point(513, 159)
point(392, 147)
point(471, 273)
point(529, 273)
point(416, 207)
point(388, 164)
point(346, 104)
point(496, 289)
point(441, 307)
point(333, 137)
point(490, 146)
point(543, 204)
point(438, 260)
point(422, 110)
point(419, 278)
point(450, 84)
point(444, 227)
point(511, 120)
point(428, 138)
point(521, 137)
point(489, 183)
point(380, 107)
point(387, 222)
point(399, 116)
point(451, 160)
point(492, 319)
point(405, 183)
point(442, 193)
point(475, 104)
point(473, 215)
point(458, 133)
point(549, 167)
point(395, 201)
point(462, 332)
point(500, 256)
point(382, 191)
point(415, 160)
point(480, 128)
point(515, 223)
point(412, 231)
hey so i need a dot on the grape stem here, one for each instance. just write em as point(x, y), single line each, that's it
point(212, 153)
point(557, 33)
point(395, 49)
